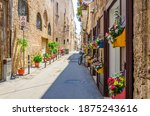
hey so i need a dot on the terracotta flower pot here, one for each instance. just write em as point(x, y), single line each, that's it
point(121, 95)
point(21, 72)
point(37, 64)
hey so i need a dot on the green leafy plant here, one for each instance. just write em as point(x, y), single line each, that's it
point(53, 47)
point(79, 12)
point(23, 43)
point(46, 55)
point(37, 58)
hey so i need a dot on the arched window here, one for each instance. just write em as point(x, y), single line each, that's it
point(39, 21)
point(64, 42)
point(23, 9)
point(45, 18)
point(49, 29)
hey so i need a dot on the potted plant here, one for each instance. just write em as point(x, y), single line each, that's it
point(23, 43)
point(116, 86)
point(46, 57)
point(99, 67)
point(116, 35)
point(37, 59)
point(53, 47)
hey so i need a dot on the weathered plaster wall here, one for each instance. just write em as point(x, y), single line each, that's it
point(141, 45)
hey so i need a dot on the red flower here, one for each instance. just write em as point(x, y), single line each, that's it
point(111, 81)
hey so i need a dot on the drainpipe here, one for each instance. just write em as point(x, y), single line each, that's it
point(3, 38)
point(11, 36)
point(11, 26)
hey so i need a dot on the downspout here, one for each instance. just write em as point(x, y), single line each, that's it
point(11, 26)
point(11, 36)
point(3, 38)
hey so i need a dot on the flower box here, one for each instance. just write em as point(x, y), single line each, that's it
point(120, 40)
point(116, 85)
point(90, 61)
point(101, 44)
point(100, 71)
point(122, 95)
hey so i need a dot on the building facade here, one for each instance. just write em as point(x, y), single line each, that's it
point(64, 26)
point(5, 41)
point(38, 29)
point(46, 21)
point(134, 57)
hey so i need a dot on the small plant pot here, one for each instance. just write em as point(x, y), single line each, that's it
point(21, 72)
point(122, 95)
point(47, 59)
point(100, 71)
point(37, 64)
point(44, 59)
point(101, 44)
point(120, 40)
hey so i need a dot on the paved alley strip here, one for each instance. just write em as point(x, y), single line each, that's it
point(75, 82)
point(63, 79)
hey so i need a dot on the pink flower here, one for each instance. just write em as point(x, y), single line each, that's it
point(107, 34)
point(112, 87)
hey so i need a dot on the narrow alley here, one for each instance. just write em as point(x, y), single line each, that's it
point(75, 82)
point(41, 42)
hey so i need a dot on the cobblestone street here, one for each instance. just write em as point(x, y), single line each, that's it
point(63, 79)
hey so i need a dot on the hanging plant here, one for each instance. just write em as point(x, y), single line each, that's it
point(100, 41)
point(116, 29)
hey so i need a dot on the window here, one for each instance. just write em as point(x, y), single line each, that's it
point(49, 29)
point(45, 18)
point(23, 8)
point(114, 60)
point(57, 8)
point(56, 39)
point(64, 42)
point(39, 21)
point(57, 16)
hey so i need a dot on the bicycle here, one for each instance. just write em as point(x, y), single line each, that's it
point(80, 60)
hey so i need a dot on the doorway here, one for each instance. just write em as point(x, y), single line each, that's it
point(44, 45)
point(120, 59)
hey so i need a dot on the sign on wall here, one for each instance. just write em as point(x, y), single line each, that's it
point(23, 21)
point(87, 1)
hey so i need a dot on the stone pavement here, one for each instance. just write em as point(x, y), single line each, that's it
point(63, 79)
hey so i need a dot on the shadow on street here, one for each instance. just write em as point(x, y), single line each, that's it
point(75, 82)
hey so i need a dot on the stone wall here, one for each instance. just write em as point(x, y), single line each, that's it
point(0, 39)
point(4, 33)
point(141, 49)
point(33, 34)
